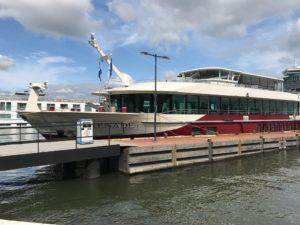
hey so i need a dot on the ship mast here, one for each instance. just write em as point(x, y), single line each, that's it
point(93, 42)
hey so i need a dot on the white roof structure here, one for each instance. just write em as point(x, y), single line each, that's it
point(195, 88)
point(188, 73)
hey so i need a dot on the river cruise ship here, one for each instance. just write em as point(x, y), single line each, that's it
point(202, 101)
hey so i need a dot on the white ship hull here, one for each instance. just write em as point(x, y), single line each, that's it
point(107, 123)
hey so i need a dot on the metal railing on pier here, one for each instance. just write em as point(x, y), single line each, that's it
point(41, 133)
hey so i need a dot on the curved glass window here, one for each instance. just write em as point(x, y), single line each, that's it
point(214, 105)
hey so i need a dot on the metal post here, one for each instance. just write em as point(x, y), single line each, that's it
point(155, 94)
point(20, 132)
point(155, 87)
point(76, 136)
point(108, 134)
point(38, 140)
point(210, 150)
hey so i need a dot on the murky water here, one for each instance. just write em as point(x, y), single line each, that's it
point(254, 190)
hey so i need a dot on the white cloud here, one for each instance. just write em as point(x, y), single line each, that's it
point(55, 18)
point(39, 67)
point(79, 91)
point(6, 62)
point(173, 21)
point(52, 59)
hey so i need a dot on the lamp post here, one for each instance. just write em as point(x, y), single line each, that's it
point(155, 86)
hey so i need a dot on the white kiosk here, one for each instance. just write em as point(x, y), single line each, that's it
point(85, 131)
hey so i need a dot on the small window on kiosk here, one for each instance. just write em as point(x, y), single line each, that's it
point(87, 125)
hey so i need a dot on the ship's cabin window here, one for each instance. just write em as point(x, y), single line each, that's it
point(21, 106)
point(5, 106)
point(50, 107)
point(64, 106)
point(76, 107)
point(87, 108)
point(5, 116)
point(202, 104)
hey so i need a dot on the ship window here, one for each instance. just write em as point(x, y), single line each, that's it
point(272, 107)
point(128, 101)
point(178, 104)
point(290, 107)
point(234, 106)
point(265, 107)
point(214, 105)
point(2, 106)
point(76, 107)
point(243, 106)
point(164, 103)
point(87, 108)
point(21, 106)
point(63, 106)
point(5, 116)
point(258, 106)
point(116, 102)
point(251, 106)
point(203, 103)
point(278, 107)
point(147, 102)
point(5, 106)
point(284, 108)
point(192, 104)
point(296, 108)
point(39, 106)
point(224, 105)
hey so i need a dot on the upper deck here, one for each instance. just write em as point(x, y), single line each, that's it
point(233, 76)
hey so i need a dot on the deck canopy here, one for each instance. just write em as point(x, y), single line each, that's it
point(242, 78)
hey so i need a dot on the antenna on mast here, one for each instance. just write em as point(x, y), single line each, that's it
point(93, 42)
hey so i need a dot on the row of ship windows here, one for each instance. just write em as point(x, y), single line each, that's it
point(6, 106)
point(192, 104)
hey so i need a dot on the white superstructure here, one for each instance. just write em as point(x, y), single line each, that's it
point(11, 104)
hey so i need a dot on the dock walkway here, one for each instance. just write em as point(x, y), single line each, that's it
point(14, 156)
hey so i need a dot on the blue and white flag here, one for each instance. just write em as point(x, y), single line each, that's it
point(99, 74)
point(110, 69)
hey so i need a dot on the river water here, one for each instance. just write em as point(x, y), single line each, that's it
point(261, 189)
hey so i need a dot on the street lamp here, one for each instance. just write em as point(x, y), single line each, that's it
point(155, 85)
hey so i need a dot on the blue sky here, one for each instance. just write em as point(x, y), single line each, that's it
point(48, 40)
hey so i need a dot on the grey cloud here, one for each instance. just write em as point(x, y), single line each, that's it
point(6, 62)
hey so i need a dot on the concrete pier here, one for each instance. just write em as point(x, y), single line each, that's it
point(142, 154)
point(180, 151)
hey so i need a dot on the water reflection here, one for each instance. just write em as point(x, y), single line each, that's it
point(262, 189)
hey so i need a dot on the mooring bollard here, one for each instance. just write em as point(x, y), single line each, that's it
point(210, 150)
point(240, 147)
point(174, 155)
point(262, 140)
point(297, 141)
